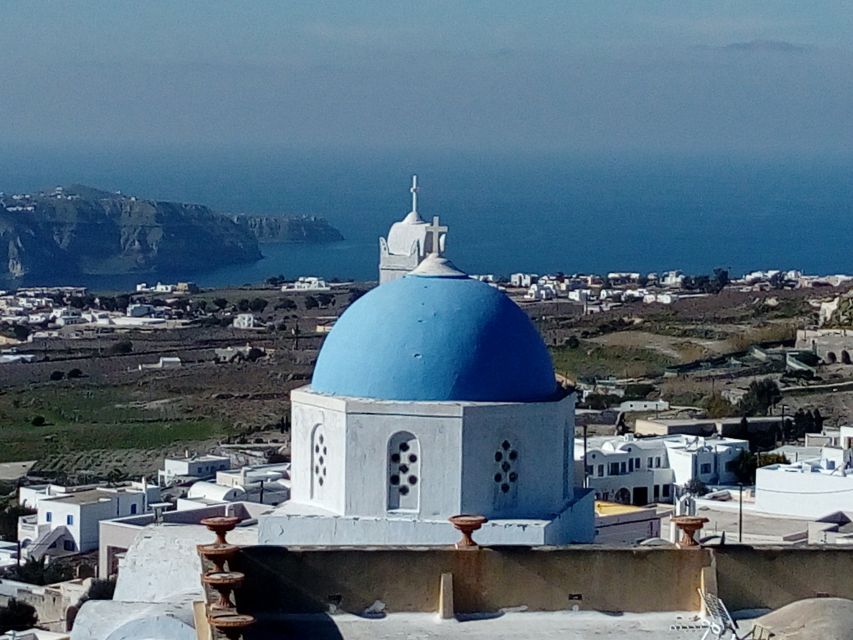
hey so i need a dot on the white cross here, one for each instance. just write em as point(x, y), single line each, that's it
point(435, 230)
point(414, 191)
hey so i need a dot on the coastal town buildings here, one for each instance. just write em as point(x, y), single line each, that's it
point(67, 518)
point(191, 467)
point(639, 471)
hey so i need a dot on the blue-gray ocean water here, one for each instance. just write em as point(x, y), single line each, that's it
point(506, 213)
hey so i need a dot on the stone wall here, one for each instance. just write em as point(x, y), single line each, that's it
point(771, 577)
point(281, 581)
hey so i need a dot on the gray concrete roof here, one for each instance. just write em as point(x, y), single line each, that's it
point(563, 625)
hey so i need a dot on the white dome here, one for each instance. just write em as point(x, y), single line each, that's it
point(408, 236)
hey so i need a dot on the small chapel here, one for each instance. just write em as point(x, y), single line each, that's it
point(433, 395)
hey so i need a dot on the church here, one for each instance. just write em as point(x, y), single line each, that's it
point(433, 395)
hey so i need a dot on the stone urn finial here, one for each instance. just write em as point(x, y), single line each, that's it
point(689, 525)
point(467, 524)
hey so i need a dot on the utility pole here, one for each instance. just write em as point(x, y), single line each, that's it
point(740, 513)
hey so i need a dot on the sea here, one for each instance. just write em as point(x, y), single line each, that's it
point(506, 212)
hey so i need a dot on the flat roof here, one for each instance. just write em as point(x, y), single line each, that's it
point(604, 508)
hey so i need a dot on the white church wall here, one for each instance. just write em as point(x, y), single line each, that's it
point(515, 457)
point(318, 451)
point(436, 486)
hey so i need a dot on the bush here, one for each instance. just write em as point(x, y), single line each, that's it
point(696, 487)
point(100, 590)
point(38, 421)
point(57, 375)
point(17, 616)
point(121, 347)
point(75, 373)
point(258, 305)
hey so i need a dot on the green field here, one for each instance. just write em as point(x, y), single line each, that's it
point(595, 360)
point(81, 419)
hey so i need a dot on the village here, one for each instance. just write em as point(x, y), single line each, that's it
point(694, 397)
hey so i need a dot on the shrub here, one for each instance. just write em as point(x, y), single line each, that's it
point(75, 373)
point(38, 421)
point(57, 375)
point(121, 347)
point(17, 616)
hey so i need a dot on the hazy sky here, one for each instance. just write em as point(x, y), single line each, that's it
point(754, 77)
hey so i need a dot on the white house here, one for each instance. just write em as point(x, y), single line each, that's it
point(523, 280)
point(66, 519)
point(191, 468)
point(642, 470)
point(306, 283)
point(540, 292)
point(244, 321)
point(139, 310)
point(672, 279)
point(809, 488)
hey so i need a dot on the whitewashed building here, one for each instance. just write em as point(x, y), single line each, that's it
point(191, 467)
point(433, 395)
point(639, 471)
point(409, 241)
point(67, 519)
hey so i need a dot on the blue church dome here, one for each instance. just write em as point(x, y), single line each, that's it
point(435, 338)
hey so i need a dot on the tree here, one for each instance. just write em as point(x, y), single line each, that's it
point(258, 305)
point(243, 305)
point(572, 342)
point(40, 572)
point(122, 347)
point(818, 421)
point(718, 281)
point(760, 397)
point(9, 521)
point(311, 302)
point(696, 487)
point(38, 421)
point(21, 332)
point(75, 373)
point(747, 463)
point(220, 303)
point(285, 304)
point(718, 407)
point(17, 616)
point(325, 299)
point(100, 590)
point(57, 375)
point(115, 476)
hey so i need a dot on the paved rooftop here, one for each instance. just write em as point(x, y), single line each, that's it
point(563, 625)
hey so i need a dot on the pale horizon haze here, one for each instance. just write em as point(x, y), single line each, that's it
point(757, 78)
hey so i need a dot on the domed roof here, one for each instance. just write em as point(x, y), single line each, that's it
point(435, 335)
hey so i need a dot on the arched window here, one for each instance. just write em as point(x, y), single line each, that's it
point(506, 473)
point(319, 461)
point(404, 472)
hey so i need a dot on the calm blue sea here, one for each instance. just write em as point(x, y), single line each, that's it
point(505, 213)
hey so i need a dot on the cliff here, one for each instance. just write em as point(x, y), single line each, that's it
point(81, 230)
point(301, 229)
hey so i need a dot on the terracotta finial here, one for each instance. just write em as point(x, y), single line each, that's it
point(467, 524)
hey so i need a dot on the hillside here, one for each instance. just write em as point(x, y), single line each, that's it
point(297, 229)
point(81, 230)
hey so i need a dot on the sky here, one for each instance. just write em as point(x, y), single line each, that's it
point(461, 76)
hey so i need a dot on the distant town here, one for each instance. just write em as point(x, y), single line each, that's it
point(705, 395)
